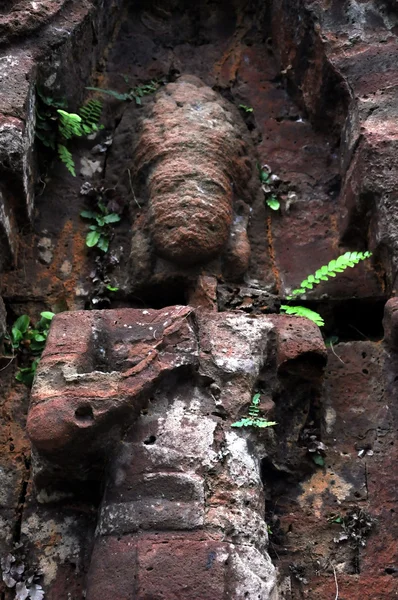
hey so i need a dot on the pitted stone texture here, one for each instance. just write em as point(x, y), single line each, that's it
point(194, 153)
point(94, 370)
point(349, 85)
point(195, 569)
point(172, 381)
point(21, 17)
point(390, 324)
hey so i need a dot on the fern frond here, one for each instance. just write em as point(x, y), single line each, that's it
point(253, 419)
point(66, 157)
point(302, 311)
point(340, 264)
point(123, 97)
point(91, 114)
point(69, 124)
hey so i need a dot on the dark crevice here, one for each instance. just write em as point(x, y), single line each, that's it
point(351, 319)
point(161, 295)
point(21, 502)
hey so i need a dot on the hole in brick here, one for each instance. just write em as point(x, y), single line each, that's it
point(84, 413)
point(150, 440)
point(365, 371)
point(220, 415)
point(149, 568)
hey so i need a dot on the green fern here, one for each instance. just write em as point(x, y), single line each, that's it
point(66, 157)
point(69, 124)
point(349, 259)
point(253, 419)
point(90, 114)
point(302, 311)
point(340, 264)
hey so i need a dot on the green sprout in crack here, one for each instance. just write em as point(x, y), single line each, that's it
point(247, 109)
point(269, 183)
point(100, 231)
point(27, 342)
point(253, 418)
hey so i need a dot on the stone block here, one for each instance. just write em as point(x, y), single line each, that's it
point(390, 324)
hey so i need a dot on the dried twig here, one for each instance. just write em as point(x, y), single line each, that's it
point(132, 189)
point(337, 585)
point(336, 355)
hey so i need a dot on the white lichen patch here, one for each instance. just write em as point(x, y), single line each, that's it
point(242, 466)
point(7, 64)
point(256, 576)
point(57, 540)
point(238, 344)
point(187, 432)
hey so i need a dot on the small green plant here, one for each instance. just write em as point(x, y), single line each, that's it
point(100, 231)
point(136, 93)
point(302, 311)
point(268, 185)
point(28, 341)
point(340, 264)
point(253, 418)
point(247, 109)
point(55, 126)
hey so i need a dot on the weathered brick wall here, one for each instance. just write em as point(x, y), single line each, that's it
point(136, 483)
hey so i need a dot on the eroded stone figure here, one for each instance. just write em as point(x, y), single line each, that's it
point(153, 394)
point(194, 174)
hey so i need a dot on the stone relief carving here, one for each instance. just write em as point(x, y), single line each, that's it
point(150, 396)
point(194, 177)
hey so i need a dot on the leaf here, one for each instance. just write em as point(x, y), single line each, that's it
point(103, 243)
point(246, 422)
point(273, 203)
point(247, 109)
point(112, 218)
point(338, 265)
point(88, 214)
point(22, 323)
point(100, 220)
point(69, 124)
point(256, 399)
point(111, 288)
point(92, 238)
point(91, 114)
point(302, 311)
point(264, 423)
point(47, 315)
point(66, 157)
point(26, 376)
point(318, 460)
point(39, 338)
point(113, 93)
